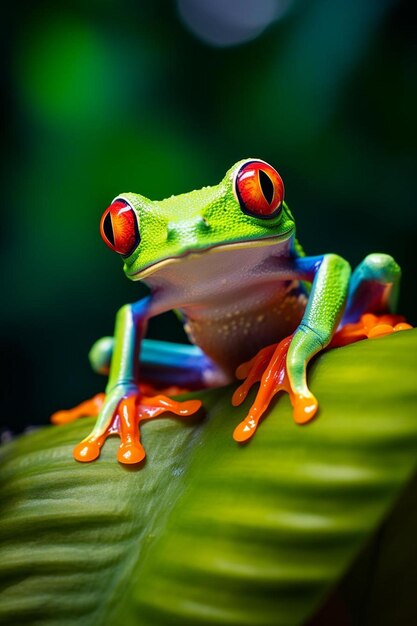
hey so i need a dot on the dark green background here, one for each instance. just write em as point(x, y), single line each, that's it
point(105, 97)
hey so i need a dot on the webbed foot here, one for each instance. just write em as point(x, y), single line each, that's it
point(368, 327)
point(131, 409)
point(269, 368)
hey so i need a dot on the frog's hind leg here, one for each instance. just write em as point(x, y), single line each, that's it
point(372, 300)
point(164, 364)
point(374, 288)
point(169, 367)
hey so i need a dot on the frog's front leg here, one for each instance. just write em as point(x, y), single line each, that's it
point(283, 367)
point(122, 383)
point(124, 406)
point(174, 367)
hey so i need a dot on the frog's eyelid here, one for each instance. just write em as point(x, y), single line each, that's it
point(238, 168)
point(131, 200)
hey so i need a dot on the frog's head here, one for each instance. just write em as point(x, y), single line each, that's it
point(246, 209)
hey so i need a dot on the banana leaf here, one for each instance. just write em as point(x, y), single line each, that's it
point(301, 525)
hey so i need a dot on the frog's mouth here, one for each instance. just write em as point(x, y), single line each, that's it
point(193, 252)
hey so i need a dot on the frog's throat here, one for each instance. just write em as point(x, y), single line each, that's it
point(256, 243)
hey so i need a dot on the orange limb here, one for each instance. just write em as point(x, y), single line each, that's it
point(368, 327)
point(268, 367)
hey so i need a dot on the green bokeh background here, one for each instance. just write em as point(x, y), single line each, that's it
point(105, 97)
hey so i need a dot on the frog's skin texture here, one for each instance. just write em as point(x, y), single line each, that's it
point(226, 259)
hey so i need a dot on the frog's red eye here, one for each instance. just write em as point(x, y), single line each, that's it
point(259, 189)
point(119, 228)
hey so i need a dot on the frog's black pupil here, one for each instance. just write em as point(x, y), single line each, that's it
point(108, 228)
point(266, 186)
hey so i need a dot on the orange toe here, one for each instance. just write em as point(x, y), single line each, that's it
point(130, 453)
point(402, 326)
point(244, 430)
point(63, 417)
point(188, 407)
point(240, 394)
point(380, 330)
point(305, 408)
point(87, 451)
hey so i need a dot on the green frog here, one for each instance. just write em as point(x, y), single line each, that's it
point(226, 259)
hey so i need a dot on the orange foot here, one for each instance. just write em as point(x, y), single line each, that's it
point(268, 367)
point(131, 410)
point(368, 327)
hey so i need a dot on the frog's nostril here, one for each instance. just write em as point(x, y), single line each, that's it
point(172, 232)
point(203, 225)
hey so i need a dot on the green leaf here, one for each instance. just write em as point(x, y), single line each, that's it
point(210, 532)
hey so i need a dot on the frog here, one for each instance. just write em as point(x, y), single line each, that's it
point(255, 307)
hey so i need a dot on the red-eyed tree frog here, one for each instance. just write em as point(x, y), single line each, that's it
point(226, 259)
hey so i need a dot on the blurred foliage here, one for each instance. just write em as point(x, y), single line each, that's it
point(105, 97)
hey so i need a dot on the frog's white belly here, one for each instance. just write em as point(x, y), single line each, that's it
point(234, 332)
point(234, 301)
